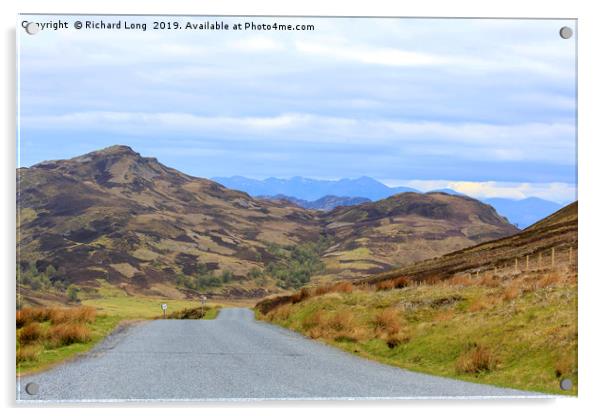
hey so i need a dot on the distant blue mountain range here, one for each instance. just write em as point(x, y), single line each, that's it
point(522, 213)
point(313, 189)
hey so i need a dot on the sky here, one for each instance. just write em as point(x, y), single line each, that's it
point(486, 107)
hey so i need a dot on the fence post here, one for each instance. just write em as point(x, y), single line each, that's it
point(553, 256)
point(527, 265)
point(516, 265)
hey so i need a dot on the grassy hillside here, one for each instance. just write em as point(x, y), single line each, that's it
point(503, 312)
point(519, 333)
point(134, 223)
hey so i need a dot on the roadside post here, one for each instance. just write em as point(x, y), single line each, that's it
point(164, 307)
point(203, 300)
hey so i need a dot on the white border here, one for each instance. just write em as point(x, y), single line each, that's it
point(590, 290)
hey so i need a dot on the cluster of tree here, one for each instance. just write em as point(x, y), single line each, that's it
point(46, 280)
point(204, 278)
point(295, 265)
point(49, 278)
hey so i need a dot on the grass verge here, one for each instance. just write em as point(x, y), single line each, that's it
point(518, 332)
point(53, 335)
point(47, 336)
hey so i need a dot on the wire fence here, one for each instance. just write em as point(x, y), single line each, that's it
point(548, 259)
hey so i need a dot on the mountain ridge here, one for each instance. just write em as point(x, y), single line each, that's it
point(521, 212)
point(114, 216)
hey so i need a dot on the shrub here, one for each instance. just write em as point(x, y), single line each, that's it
point(31, 333)
point(477, 305)
point(401, 282)
point(396, 340)
point(68, 333)
point(20, 319)
point(564, 366)
point(387, 321)
point(313, 320)
point(350, 333)
point(315, 332)
point(322, 290)
point(385, 285)
point(341, 321)
point(488, 281)
point(27, 315)
point(80, 314)
point(477, 359)
point(28, 353)
point(459, 280)
point(342, 287)
point(85, 314)
point(72, 293)
point(549, 279)
point(282, 312)
point(511, 292)
point(301, 295)
point(57, 315)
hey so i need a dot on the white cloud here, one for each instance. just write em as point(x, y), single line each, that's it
point(370, 54)
point(474, 141)
point(257, 44)
point(552, 191)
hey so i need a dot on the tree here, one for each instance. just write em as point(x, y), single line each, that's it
point(72, 293)
point(227, 276)
point(254, 273)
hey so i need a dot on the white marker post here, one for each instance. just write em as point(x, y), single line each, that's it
point(164, 307)
point(203, 300)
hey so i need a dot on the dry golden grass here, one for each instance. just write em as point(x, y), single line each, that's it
point(459, 280)
point(488, 280)
point(31, 333)
point(313, 320)
point(315, 333)
point(565, 366)
point(341, 321)
point(511, 292)
point(398, 339)
point(321, 290)
point(353, 334)
point(477, 305)
point(387, 321)
point(301, 295)
point(68, 333)
point(55, 315)
point(342, 287)
point(281, 313)
point(28, 315)
point(476, 360)
point(385, 285)
point(549, 279)
point(28, 352)
point(444, 315)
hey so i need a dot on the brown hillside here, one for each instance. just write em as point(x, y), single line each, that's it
point(115, 216)
point(551, 241)
point(407, 228)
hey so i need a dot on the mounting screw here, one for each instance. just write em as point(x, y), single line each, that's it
point(566, 32)
point(32, 389)
point(32, 28)
point(566, 384)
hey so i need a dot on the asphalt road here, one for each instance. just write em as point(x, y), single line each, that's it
point(231, 357)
